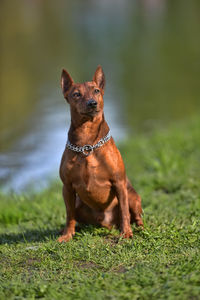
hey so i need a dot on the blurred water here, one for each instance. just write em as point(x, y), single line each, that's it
point(150, 52)
point(34, 158)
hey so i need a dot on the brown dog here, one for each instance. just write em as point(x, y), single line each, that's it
point(95, 187)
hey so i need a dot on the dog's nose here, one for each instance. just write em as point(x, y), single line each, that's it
point(92, 103)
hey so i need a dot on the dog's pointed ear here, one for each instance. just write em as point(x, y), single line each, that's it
point(66, 81)
point(99, 77)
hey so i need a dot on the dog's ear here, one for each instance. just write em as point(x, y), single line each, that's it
point(66, 81)
point(99, 77)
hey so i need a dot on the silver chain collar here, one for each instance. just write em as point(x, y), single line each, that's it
point(88, 149)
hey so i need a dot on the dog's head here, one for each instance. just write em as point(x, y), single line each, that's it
point(85, 99)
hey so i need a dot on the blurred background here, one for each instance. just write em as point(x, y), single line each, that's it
point(150, 53)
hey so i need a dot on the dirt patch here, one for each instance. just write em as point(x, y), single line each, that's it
point(29, 263)
point(112, 240)
point(32, 261)
point(120, 269)
point(86, 265)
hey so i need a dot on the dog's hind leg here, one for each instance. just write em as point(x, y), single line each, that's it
point(135, 206)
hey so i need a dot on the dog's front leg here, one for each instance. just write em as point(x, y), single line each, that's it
point(122, 195)
point(69, 198)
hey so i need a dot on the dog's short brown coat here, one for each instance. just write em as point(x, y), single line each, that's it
point(96, 189)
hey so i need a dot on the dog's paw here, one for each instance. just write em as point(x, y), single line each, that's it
point(64, 238)
point(127, 234)
point(140, 224)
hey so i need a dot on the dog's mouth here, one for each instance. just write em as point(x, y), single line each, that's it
point(90, 112)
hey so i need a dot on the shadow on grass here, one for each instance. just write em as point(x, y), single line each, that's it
point(39, 235)
point(30, 235)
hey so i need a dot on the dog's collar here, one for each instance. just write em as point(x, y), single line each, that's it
point(88, 149)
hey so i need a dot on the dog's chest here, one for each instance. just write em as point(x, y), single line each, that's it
point(86, 172)
point(90, 179)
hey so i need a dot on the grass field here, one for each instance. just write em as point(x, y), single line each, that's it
point(161, 262)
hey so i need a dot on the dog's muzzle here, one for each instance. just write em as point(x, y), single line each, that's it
point(91, 103)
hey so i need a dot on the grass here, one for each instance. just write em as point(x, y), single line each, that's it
point(161, 262)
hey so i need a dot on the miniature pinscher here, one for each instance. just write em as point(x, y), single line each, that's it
point(96, 189)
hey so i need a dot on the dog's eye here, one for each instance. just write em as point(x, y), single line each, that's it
point(76, 95)
point(96, 91)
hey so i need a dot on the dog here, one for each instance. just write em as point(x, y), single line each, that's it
point(96, 189)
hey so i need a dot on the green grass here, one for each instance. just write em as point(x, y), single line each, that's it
point(161, 262)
